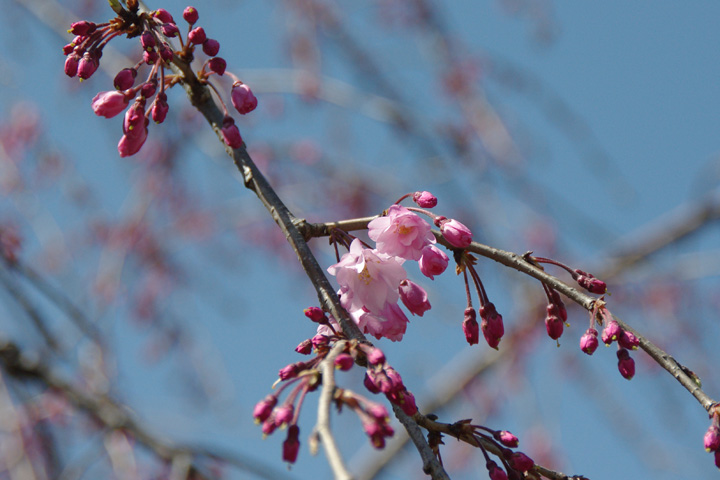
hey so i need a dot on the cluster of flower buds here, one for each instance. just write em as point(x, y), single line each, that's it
point(382, 378)
point(154, 30)
point(612, 332)
point(10, 244)
point(711, 440)
point(514, 464)
point(491, 322)
point(304, 377)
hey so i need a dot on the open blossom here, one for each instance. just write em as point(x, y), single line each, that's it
point(401, 232)
point(390, 322)
point(368, 279)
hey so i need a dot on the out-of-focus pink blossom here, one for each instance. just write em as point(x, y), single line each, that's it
point(414, 297)
point(344, 362)
point(433, 261)
point(284, 415)
point(401, 233)
point(264, 408)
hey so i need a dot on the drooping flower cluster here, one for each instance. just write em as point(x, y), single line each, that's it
point(612, 331)
point(154, 30)
point(304, 377)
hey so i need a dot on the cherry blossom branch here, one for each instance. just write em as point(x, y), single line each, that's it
point(290, 226)
point(521, 264)
point(327, 367)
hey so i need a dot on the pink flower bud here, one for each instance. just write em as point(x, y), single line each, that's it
point(506, 438)
point(470, 327)
point(109, 104)
point(148, 89)
point(589, 341)
point(414, 297)
point(320, 341)
point(590, 283)
point(376, 356)
point(264, 408)
point(217, 65)
point(433, 261)
point(125, 78)
point(521, 462)
point(405, 400)
point(71, 65)
point(424, 199)
point(628, 340)
point(344, 362)
point(457, 234)
point(491, 325)
point(291, 445)
point(82, 28)
point(242, 98)
point(197, 36)
point(160, 108)
point(554, 326)
point(291, 371)
point(268, 426)
point(230, 133)
point(315, 314)
point(495, 472)
point(284, 415)
point(131, 144)
point(611, 332)
point(305, 347)
point(626, 365)
point(190, 14)
point(712, 439)
point(147, 40)
point(166, 53)
point(88, 65)
point(163, 16)
point(150, 57)
point(211, 47)
point(370, 384)
point(170, 30)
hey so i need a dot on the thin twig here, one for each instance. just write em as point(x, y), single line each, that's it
point(327, 368)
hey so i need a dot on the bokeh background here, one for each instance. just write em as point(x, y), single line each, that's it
point(581, 131)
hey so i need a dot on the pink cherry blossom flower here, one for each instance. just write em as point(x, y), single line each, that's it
point(401, 233)
point(390, 322)
point(368, 279)
point(433, 261)
point(456, 233)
